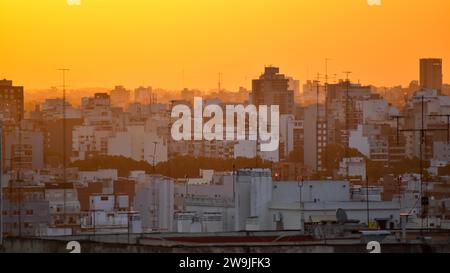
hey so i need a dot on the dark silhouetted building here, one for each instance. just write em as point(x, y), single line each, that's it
point(11, 101)
point(272, 88)
point(431, 74)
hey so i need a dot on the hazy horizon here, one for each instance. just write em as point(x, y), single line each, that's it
point(174, 44)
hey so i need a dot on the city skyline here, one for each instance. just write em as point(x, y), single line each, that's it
point(330, 78)
point(190, 126)
point(143, 42)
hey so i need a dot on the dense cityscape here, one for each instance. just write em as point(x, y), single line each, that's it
point(351, 157)
point(208, 135)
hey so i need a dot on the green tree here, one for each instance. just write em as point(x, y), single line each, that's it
point(177, 167)
point(333, 154)
point(376, 169)
point(296, 155)
point(409, 165)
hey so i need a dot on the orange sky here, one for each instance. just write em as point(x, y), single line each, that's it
point(150, 42)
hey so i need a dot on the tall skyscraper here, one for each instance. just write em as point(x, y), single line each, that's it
point(272, 88)
point(431, 74)
point(11, 101)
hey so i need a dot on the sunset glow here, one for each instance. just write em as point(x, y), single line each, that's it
point(174, 44)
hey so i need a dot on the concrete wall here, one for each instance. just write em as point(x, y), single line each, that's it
point(30, 245)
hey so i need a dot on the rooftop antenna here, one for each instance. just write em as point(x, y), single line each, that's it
point(307, 72)
point(347, 75)
point(326, 71)
point(326, 105)
point(63, 72)
point(182, 79)
point(154, 156)
point(219, 82)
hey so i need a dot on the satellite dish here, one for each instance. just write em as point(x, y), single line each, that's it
point(341, 216)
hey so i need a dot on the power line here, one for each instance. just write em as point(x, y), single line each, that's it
point(448, 124)
point(219, 82)
point(422, 130)
point(326, 108)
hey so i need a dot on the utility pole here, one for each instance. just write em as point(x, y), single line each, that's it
point(326, 70)
point(64, 71)
point(169, 141)
point(347, 133)
point(317, 82)
point(367, 200)
point(300, 187)
point(397, 118)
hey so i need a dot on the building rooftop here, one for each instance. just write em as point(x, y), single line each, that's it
point(5, 82)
